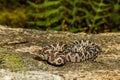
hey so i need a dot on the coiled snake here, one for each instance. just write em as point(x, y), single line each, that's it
point(77, 51)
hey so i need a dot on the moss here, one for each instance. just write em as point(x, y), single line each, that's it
point(10, 60)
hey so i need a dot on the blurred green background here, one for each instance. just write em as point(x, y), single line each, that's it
point(90, 16)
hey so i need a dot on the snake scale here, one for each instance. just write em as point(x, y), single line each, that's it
point(80, 50)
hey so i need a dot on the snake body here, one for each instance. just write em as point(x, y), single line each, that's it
point(77, 51)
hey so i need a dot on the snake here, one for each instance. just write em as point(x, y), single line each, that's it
point(58, 54)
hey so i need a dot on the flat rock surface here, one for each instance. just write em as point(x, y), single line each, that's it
point(26, 43)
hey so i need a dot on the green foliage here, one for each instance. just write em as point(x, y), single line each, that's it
point(91, 16)
point(14, 18)
point(115, 14)
point(45, 14)
point(94, 18)
point(71, 14)
point(12, 4)
point(74, 15)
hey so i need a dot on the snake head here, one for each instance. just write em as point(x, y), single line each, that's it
point(42, 55)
